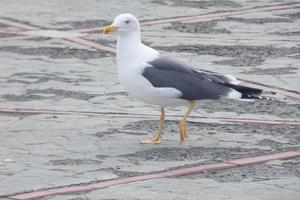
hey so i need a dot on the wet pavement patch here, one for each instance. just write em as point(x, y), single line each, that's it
point(289, 132)
point(267, 142)
point(243, 56)
point(51, 94)
point(33, 78)
point(198, 27)
point(56, 52)
point(110, 131)
point(284, 131)
point(121, 173)
point(193, 153)
point(209, 27)
point(70, 162)
point(268, 171)
point(3, 25)
point(258, 107)
point(64, 94)
point(292, 33)
point(15, 19)
point(104, 42)
point(25, 97)
point(144, 127)
point(256, 20)
point(292, 15)
point(4, 35)
point(272, 71)
point(198, 4)
point(83, 24)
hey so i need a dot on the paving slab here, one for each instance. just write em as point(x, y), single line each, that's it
point(47, 72)
point(170, 188)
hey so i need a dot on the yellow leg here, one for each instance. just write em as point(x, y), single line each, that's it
point(183, 132)
point(157, 137)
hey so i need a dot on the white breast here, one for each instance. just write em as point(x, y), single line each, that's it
point(131, 78)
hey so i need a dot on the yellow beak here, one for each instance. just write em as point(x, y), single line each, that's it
point(110, 29)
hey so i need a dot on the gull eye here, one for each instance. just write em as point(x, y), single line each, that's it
point(127, 21)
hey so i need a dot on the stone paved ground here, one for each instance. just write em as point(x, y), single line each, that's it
point(50, 150)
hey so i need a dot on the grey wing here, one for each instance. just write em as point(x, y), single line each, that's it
point(165, 72)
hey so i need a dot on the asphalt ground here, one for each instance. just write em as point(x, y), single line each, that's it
point(67, 127)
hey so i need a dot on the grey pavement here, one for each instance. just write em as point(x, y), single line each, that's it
point(48, 151)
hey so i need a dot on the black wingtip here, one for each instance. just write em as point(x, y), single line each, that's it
point(253, 96)
point(251, 93)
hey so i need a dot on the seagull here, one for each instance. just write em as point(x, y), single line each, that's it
point(156, 79)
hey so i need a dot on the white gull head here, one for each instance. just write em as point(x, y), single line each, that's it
point(131, 53)
point(126, 24)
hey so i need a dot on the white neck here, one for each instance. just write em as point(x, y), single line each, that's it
point(128, 46)
point(132, 53)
